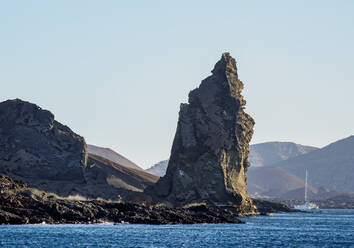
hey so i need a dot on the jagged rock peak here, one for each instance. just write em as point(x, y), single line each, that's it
point(226, 64)
point(209, 156)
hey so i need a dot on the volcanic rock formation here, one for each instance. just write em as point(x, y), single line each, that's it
point(49, 156)
point(209, 156)
point(37, 148)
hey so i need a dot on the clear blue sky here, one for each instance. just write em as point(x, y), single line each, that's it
point(117, 71)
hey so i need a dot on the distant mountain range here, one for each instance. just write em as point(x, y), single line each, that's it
point(265, 154)
point(111, 155)
point(272, 182)
point(330, 168)
point(159, 169)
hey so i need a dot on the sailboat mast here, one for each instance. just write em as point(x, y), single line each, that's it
point(306, 187)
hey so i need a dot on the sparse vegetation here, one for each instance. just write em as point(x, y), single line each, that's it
point(160, 204)
point(194, 204)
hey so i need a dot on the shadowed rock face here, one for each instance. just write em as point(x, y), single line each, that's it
point(35, 147)
point(209, 157)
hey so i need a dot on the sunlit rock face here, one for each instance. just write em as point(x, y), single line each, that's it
point(209, 156)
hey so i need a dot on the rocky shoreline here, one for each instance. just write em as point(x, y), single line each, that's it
point(20, 204)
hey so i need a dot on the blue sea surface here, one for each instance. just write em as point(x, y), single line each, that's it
point(331, 228)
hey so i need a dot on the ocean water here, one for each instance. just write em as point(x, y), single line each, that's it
point(331, 228)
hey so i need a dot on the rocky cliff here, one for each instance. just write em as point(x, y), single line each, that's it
point(35, 147)
point(209, 156)
point(49, 156)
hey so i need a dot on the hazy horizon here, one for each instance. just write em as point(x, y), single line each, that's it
point(116, 72)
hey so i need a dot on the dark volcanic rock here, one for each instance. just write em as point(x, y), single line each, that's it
point(209, 157)
point(49, 156)
point(22, 205)
point(266, 207)
point(35, 147)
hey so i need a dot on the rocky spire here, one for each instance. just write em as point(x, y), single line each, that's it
point(209, 156)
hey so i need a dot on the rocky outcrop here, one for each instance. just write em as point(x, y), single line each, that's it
point(47, 155)
point(20, 204)
point(209, 157)
point(35, 147)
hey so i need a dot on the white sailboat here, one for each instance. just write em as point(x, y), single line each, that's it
point(308, 205)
